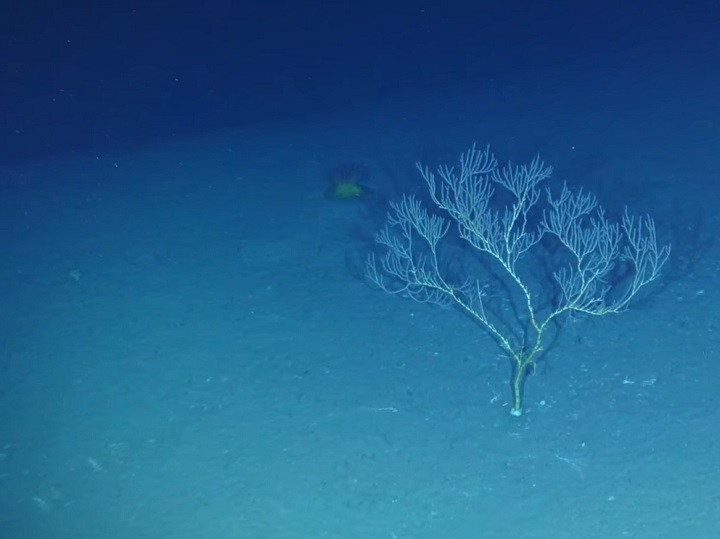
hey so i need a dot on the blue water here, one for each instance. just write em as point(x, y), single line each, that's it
point(189, 348)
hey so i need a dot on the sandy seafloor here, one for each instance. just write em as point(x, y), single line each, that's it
point(187, 350)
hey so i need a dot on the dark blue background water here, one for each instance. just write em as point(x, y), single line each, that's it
point(89, 76)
